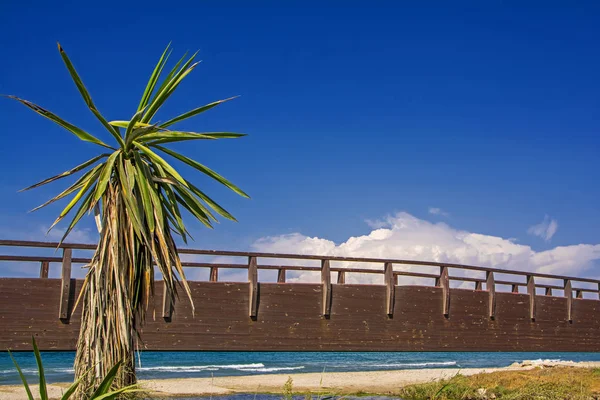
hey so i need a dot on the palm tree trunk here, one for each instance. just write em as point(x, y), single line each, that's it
point(109, 302)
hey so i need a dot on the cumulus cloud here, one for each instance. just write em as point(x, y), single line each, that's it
point(545, 229)
point(404, 236)
point(438, 211)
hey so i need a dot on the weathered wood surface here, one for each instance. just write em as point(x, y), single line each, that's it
point(289, 317)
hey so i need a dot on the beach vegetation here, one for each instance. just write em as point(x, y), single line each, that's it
point(139, 200)
point(102, 392)
point(557, 383)
point(288, 389)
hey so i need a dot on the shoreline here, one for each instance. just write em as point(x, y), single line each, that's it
point(339, 383)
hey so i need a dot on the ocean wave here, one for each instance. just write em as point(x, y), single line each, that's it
point(47, 371)
point(423, 364)
point(196, 368)
point(272, 369)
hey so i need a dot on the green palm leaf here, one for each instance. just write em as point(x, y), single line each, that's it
point(86, 96)
point(67, 173)
point(204, 170)
point(194, 112)
point(80, 133)
point(154, 78)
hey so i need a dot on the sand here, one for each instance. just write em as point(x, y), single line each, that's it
point(381, 382)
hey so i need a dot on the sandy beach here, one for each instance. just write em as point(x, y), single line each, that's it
point(380, 382)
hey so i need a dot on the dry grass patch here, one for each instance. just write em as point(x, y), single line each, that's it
point(559, 383)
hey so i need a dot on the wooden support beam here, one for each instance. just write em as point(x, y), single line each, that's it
point(214, 274)
point(444, 282)
point(281, 275)
point(579, 294)
point(569, 296)
point(253, 287)
point(341, 278)
point(531, 293)
point(167, 302)
point(44, 267)
point(390, 292)
point(65, 284)
point(479, 285)
point(326, 283)
point(548, 291)
point(491, 288)
point(598, 291)
point(515, 288)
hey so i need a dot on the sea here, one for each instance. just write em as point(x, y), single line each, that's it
point(58, 366)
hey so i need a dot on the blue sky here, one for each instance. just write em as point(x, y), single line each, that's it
point(486, 110)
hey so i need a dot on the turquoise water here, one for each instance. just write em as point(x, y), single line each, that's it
point(152, 365)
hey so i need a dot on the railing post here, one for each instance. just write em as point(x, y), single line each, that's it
point(65, 284)
point(514, 288)
point(281, 275)
point(491, 288)
point(167, 302)
point(214, 274)
point(548, 291)
point(569, 296)
point(326, 288)
point(341, 278)
point(444, 282)
point(598, 291)
point(479, 285)
point(531, 292)
point(44, 269)
point(390, 288)
point(579, 294)
point(253, 287)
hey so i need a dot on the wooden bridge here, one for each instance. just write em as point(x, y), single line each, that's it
point(444, 307)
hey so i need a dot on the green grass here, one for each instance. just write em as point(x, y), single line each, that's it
point(558, 383)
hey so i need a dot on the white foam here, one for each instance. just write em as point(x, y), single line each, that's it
point(196, 368)
point(272, 369)
point(423, 364)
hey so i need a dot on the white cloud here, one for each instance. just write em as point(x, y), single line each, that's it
point(545, 229)
point(438, 211)
point(403, 236)
point(76, 235)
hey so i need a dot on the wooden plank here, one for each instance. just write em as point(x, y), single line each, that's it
point(290, 320)
point(569, 296)
point(214, 274)
point(531, 293)
point(253, 287)
point(281, 275)
point(326, 284)
point(390, 288)
point(65, 284)
point(44, 267)
point(491, 288)
point(341, 277)
point(444, 282)
point(167, 303)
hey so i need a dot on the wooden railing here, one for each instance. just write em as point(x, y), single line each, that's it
point(440, 279)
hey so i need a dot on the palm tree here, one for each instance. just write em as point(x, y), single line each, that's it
point(137, 198)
